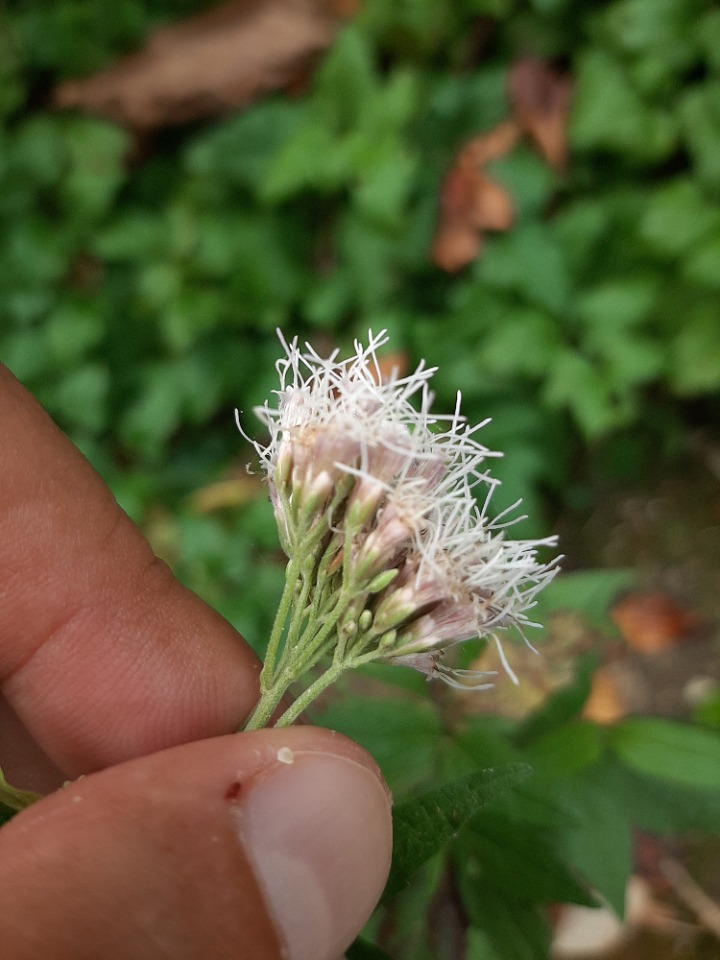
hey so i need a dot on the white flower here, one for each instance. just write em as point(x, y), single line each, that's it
point(393, 555)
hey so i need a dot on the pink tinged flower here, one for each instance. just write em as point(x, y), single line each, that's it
point(393, 488)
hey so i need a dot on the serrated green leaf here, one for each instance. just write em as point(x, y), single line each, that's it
point(670, 751)
point(422, 827)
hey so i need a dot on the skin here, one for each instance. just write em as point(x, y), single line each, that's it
point(112, 671)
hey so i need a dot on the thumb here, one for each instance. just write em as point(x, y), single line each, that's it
point(252, 847)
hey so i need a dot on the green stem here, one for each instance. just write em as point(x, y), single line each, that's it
point(314, 690)
point(266, 706)
point(292, 571)
point(14, 797)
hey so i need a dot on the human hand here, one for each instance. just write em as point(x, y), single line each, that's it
point(178, 841)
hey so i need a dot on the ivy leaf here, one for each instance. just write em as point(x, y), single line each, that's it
point(424, 825)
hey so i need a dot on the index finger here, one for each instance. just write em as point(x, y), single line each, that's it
point(104, 656)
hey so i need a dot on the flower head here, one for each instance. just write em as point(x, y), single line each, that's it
point(382, 508)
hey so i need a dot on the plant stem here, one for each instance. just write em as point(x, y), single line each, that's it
point(291, 575)
point(266, 706)
point(314, 690)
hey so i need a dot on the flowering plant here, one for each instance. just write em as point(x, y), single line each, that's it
point(382, 509)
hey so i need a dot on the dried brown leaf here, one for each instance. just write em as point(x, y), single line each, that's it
point(606, 703)
point(652, 622)
point(491, 145)
point(471, 202)
point(210, 63)
point(493, 209)
point(540, 100)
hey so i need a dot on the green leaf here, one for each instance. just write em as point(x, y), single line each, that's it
point(566, 750)
point(562, 705)
point(706, 29)
point(346, 80)
point(362, 950)
point(521, 859)
point(700, 264)
point(422, 827)
point(96, 170)
point(513, 929)
point(700, 113)
point(528, 260)
point(677, 216)
point(38, 150)
point(581, 385)
point(526, 343)
point(597, 837)
point(589, 592)
point(73, 329)
point(307, 158)
point(81, 396)
point(660, 806)
point(643, 27)
point(402, 735)
point(616, 305)
point(609, 114)
point(669, 751)
point(696, 351)
point(383, 190)
point(136, 235)
point(238, 150)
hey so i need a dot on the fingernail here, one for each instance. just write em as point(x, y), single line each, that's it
point(316, 828)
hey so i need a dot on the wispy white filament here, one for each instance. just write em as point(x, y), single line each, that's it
point(416, 500)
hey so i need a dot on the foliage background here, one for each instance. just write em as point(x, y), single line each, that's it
point(139, 297)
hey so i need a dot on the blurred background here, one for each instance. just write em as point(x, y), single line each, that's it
point(524, 192)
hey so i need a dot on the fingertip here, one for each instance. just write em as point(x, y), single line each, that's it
point(317, 830)
point(254, 846)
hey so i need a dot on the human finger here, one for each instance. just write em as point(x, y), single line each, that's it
point(104, 656)
point(248, 847)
